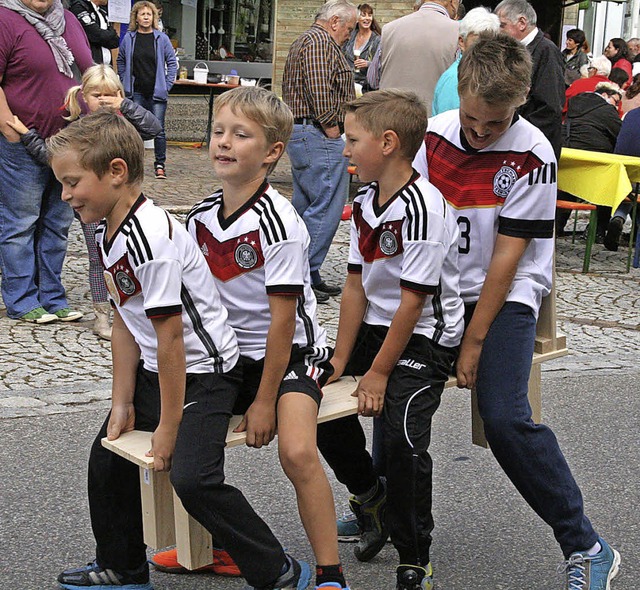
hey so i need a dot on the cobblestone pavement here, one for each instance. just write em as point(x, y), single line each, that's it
point(63, 367)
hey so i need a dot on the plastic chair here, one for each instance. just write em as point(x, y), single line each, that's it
point(591, 230)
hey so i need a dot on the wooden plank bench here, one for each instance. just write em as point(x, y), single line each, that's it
point(166, 522)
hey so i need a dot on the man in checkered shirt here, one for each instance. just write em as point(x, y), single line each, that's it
point(317, 81)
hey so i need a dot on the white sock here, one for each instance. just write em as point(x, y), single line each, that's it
point(595, 549)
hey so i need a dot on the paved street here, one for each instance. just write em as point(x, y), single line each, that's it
point(55, 387)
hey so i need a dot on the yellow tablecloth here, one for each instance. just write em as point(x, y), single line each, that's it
point(601, 179)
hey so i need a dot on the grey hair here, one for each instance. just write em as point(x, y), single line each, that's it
point(512, 10)
point(343, 9)
point(479, 20)
point(601, 64)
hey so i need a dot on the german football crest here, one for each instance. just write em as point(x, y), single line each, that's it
point(245, 255)
point(504, 180)
point(388, 241)
point(121, 281)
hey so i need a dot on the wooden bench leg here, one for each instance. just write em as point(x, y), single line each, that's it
point(157, 508)
point(193, 541)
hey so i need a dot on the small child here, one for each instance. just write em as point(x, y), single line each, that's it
point(175, 368)
point(499, 174)
point(401, 321)
point(257, 249)
point(100, 87)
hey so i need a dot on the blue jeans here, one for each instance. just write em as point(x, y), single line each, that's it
point(528, 453)
point(320, 188)
point(34, 223)
point(158, 108)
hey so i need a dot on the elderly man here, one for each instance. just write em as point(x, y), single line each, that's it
point(92, 14)
point(544, 106)
point(43, 51)
point(476, 21)
point(598, 71)
point(317, 81)
point(419, 47)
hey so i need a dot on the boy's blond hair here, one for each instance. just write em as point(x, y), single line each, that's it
point(137, 7)
point(396, 110)
point(99, 77)
point(497, 69)
point(98, 139)
point(262, 107)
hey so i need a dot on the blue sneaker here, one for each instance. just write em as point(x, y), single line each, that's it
point(93, 576)
point(297, 577)
point(348, 528)
point(591, 572)
point(334, 585)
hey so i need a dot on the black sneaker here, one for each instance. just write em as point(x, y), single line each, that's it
point(414, 577)
point(614, 231)
point(371, 517)
point(320, 296)
point(93, 576)
point(331, 290)
point(297, 577)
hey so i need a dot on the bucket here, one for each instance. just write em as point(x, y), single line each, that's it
point(200, 73)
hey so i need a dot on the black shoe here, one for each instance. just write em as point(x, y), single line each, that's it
point(297, 577)
point(331, 290)
point(320, 296)
point(93, 575)
point(612, 237)
point(371, 517)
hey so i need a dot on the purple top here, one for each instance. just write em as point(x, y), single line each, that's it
point(34, 87)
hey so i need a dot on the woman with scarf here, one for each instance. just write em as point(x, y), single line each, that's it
point(43, 52)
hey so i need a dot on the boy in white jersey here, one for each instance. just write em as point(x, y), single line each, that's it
point(175, 368)
point(257, 249)
point(401, 321)
point(499, 173)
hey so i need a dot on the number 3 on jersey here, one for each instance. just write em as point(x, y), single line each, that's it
point(464, 244)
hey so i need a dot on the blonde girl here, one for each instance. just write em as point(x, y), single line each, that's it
point(100, 88)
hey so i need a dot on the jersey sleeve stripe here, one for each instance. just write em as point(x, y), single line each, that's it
point(417, 288)
point(438, 314)
point(416, 214)
point(138, 231)
point(270, 221)
point(204, 205)
point(285, 289)
point(307, 322)
point(526, 228)
point(163, 312)
point(200, 330)
point(354, 268)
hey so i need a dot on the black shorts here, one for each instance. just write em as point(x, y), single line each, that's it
point(308, 370)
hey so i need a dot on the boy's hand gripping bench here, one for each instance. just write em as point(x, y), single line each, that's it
point(166, 522)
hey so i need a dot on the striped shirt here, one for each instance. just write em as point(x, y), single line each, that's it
point(317, 79)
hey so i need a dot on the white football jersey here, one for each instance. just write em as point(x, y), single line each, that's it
point(507, 188)
point(408, 243)
point(260, 250)
point(152, 270)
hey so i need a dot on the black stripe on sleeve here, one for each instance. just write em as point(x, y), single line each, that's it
point(163, 312)
point(201, 332)
point(418, 288)
point(280, 234)
point(526, 228)
point(285, 290)
point(139, 235)
point(354, 268)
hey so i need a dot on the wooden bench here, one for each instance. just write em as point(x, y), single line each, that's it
point(166, 522)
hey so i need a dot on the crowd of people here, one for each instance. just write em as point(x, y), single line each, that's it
point(450, 255)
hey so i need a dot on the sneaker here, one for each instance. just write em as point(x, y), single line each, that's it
point(92, 575)
point(414, 577)
point(612, 237)
point(221, 564)
point(160, 172)
point(297, 577)
point(331, 290)
point(348, 528)
point(38, 316)
point(334, 585)
point(320, 296)
point(591, 572)
point(371, 519)
point(67, 315)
